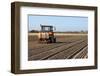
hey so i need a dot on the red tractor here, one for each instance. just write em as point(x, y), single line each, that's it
point(46, 34)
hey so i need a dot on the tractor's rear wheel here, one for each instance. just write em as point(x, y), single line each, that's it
point(54, 40)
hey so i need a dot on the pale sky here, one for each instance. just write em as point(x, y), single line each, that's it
point(62, 23)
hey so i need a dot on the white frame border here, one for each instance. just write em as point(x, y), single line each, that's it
point(25, 64)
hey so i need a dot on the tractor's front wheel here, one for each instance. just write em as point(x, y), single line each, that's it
point(54, 40)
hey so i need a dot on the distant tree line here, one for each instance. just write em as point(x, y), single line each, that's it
point(72, 31)
point(82, 31)
point(33, 31)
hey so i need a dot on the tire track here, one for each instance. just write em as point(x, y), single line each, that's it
point(70, 52)
point(82, 54)
point(54, 51)
point(47, 47)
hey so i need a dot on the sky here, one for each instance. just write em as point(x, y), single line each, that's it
point(61, 23)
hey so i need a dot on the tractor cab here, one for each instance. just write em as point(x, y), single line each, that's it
point(46, 28)
point(46, 34)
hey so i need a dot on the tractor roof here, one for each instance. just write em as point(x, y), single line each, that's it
point(46, 25)
point(46, 28)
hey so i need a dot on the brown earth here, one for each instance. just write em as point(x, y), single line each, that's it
point(66, 47)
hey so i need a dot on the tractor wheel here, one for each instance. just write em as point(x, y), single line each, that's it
point(54, 40)
point(48, 40)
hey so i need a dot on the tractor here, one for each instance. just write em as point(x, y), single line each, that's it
point(46, 34)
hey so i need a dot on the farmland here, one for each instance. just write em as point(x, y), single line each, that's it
point(68, 46)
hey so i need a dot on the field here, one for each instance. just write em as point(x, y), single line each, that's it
point(68, 46)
